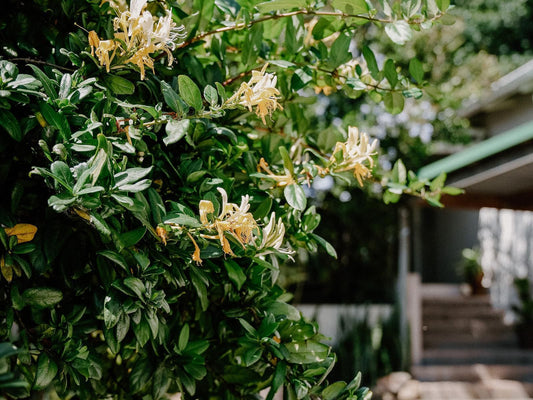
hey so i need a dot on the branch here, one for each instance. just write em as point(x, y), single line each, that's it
point(34, 61)
point(244, 25)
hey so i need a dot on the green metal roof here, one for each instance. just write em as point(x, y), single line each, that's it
point(477, 152)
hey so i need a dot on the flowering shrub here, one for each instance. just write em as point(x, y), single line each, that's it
point(153, 163)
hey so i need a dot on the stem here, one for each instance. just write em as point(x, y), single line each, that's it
point(34, 61)
point(244, 25)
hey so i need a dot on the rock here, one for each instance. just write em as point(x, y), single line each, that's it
point(410, 390)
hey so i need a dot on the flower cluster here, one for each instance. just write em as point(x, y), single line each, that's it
point(259, 92)
point(236, 221)
point(352, 154)
point(138, 34)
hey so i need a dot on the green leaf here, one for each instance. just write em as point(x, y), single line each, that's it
point(56, 119)
point(394, 102)
point(119, 85)
point(278, 380)
point(136, 286)
point(416, 70)
point(282, 309)
point(390, 72)
point(184, 337)
point(438, 182)
point(48, 84)
point(452, 191)
point(61, 172)
point(236, 374)
point(185, 220)
point(65, 85)
point(399, 32)
point(325, 244)
point(235, 273)
point(201, 290)
point(10, 124)
point(130, 175)
point(116, 258)
point(355, 383)
point(340, 53)
point(161, 382)
point(45, 373)
point(190, 92)
point(173, 100)
point(399, 173)
point(211, 95)
point(443, 4)
point(42, 297)
point(351, 6)
point(123, 326)
point(278, 5)
point(371, 62)
point(142, 331)
point(132, 237)
point(332, 391)
point(176, 130)
point(295, 196)
point(307, 352)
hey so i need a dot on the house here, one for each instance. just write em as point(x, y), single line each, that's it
point(495, 211)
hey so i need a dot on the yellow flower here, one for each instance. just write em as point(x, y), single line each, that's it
point(137, 35)
point(196, 254)
point(282, 180)
point(233, 219)
point(259, 92)
point(355, 151)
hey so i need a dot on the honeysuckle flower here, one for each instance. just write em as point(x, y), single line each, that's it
point(281, 180)
point(259, 92)
point(272, 237)
point(355, 151)
point(138, 34)
point(235, 220)
point(196, 254)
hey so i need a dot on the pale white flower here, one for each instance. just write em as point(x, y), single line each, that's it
point(259, 92)
point(355, 152)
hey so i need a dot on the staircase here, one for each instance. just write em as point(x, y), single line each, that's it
point(465, 340)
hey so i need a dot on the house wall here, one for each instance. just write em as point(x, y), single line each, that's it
point(442, 235)
point(514, 112)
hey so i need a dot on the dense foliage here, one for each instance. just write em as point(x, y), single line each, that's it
point(154, 158)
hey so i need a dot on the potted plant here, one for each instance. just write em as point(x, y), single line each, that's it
point(472, 271)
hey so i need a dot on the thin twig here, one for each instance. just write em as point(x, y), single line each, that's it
point(245, 25)
point(34, 61)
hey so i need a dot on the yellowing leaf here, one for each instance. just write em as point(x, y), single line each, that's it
point(7, 270)
point(23, 232)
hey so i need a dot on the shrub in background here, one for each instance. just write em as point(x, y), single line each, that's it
point(153, 162)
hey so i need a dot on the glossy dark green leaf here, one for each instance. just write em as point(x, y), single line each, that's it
point(42, 297)
point(183, 339)
point(307, 352)
point(332, 391)
point(119, 85)
point(371, 62)
point(190, 92)
point(390, 72)
point(235, 273)
point(10, 124)
point(48, 84)
point(45, 373)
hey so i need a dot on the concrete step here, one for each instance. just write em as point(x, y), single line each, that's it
point(475, 326)
point(455, 356)
point(435, 311)
point(435, 339)
point(472, 373)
